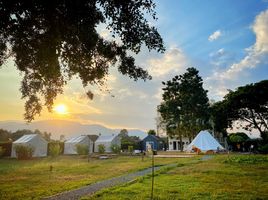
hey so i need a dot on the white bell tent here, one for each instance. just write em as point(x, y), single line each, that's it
point(205, 142)
point(35, 141)
point(70, 145)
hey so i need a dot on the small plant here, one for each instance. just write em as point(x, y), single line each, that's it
point(2, 151)
point(24, 152)
point(54, 149)
point(130, 149)
point(82, 149)
point(115, 148)
point(101, 148)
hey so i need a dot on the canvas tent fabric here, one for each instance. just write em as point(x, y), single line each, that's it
point(70, 145)
point(107, 141)
point(205, 142)
point(36, 141)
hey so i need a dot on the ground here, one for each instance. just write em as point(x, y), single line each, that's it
point(215, 177)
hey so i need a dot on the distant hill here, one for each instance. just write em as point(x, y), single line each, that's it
point(67, 128)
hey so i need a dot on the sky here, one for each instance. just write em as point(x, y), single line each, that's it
point(226, 40)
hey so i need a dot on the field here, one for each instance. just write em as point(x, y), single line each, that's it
point(32, 179)
point(200, 177)
point(218, 177)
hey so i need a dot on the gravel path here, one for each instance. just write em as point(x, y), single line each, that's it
point(87, 190)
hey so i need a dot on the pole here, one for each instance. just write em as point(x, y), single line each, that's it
point(152, 191)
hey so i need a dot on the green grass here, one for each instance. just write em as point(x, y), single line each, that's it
point(33, 179)
point(222, 177)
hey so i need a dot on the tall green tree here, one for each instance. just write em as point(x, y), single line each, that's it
point(53, 41)
point(185, 107)
point(247, 106)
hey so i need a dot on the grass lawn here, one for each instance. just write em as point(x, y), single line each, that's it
point(32, 179)
point(221, 177)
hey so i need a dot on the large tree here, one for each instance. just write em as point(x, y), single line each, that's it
point(52, 41)
point(247, 106)
point(185, 107)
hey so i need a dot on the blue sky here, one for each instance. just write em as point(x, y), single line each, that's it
point(226, 40)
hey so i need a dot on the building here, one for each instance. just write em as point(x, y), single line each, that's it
point(174, 143)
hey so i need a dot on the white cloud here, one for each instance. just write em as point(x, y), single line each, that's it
point(218, 53)
point(215, 35)
point(173, 60)
point(255, 55)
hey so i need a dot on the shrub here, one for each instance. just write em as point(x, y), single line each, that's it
point(82, 149)
point(115, 148)
point(2, 151)
point(24, 152)
point(263, 149)
point(130, 149)
point(54, 149)
point(101, 148)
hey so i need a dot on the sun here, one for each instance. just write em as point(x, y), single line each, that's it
point(60, 109)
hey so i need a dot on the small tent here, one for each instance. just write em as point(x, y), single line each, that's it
point(205, 142)
point(35, 141)
point(107, 141)
point(70, 145)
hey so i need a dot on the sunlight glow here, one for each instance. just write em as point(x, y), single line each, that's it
point(60, 109)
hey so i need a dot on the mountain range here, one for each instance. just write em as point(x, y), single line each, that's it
point(66, 128)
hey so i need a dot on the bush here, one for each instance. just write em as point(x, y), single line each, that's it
point(115, 148)
point(24, 152)
point(54, 149)
point(263, 149)
point(130, 149)
point(2, 151)
point(82, 149)
point(101, 148)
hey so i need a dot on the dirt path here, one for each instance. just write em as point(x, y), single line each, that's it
point(87, 190)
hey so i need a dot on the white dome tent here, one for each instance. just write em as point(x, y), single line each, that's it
point(205, 142)
point(35, 141)
point(70, 145)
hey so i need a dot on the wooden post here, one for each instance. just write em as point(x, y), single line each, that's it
point(152, 190)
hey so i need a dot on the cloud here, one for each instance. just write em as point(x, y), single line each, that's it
point(174, 60)
point(218, 53)
point(255, 55)
point(215, 35)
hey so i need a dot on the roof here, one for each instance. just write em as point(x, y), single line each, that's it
point(76, 139)
point(205, 142)
point(152, 136)
point(106, 138)
point(25, 138)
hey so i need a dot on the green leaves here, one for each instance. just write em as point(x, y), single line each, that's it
point(53, 41)
point(185, 108)
point(248, 105)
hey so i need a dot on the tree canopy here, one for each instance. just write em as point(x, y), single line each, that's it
point(151, 132)
point(247, 105)
point(12, 136)
point(53, 41)
point(185, 108)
